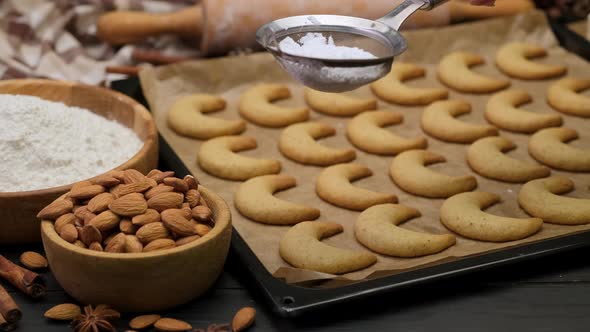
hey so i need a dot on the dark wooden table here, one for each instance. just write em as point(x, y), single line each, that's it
point(547, 294)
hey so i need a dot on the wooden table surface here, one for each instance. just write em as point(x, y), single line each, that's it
point(547, 294)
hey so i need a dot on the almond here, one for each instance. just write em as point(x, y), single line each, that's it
point(176, 183)
point(96, 246)
point(177, 221)
point(132, 244)
point(152, 231)
point(106, 180)
point(153, 172)
point(187, 239)
point(118, 174)
point(80, 244)
point(202, 213)
point(135, 187)
point(143, 322)
point(115, 190)
point(56, 209)
point(159, 244)
point(243, 319)
point(87, 217)
point(65, 311)
point(117, 244)
point(33, 260)
point(100, 202)
point(85, 191)
point(191, 181)
point(79, 222)
point(68, 218)
point(89, 234)
point(105, 221)
point(192, 197)
point(81, 211)
point(152, 182)
point(161, 188)
point(132, 176)
point(125, 226)
point(159, 177)
point(202, 229)
point(149, 216)
point(108, 238)
point(163, 201)
point(69, 233)
point(172, 325)
point(129, 205)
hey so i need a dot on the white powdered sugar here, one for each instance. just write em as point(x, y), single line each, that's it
point(46, 144)
point(316, 45)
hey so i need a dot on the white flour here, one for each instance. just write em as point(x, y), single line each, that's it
point(46, 144)
point(316, 45)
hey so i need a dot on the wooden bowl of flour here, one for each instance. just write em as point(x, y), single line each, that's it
point(18, 210)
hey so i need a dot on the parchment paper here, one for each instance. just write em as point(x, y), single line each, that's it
point(230, 76)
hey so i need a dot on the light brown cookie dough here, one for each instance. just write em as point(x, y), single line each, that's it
point(541, 198)
point(391, 88)
point(298, 142)
point(502, 111)
point(454, 71)
point(549, 147)
point(438, 120)
point(302, 248)
point(366, 133)
point(333, 186)
point(218, 157)
point(256, 106)
point(513, 59)
point(487, 157)
point(408, 170)
point(564, 96)
point(337, 104)
point(463, 215)
point(377, 229)
point(186, 118)
point(254, 199)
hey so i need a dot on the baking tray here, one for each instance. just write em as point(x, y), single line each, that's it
point(289, 300)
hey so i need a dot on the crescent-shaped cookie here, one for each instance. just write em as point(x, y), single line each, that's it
point(487, 157)
point(463, 215)
point(186, 118)
point(256, 106)
point(408, 170)
point(438, 120)
point(302, 248)
point(541, 198)
point(337, 104)
point(377, 229)
point(513, 59)
point(549, 147)
point(254, 199)
point(218, 157)
point(502, 111)
point(333, 185)
point(391, 88)
point(454, 71)
point(564, 95)
point(366, 133)
point(298, 142)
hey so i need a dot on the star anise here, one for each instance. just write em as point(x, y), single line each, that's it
point(95, 319)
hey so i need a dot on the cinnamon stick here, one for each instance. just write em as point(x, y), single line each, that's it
point(8, 308)
point(25, 280)
point(6, 326)
point(126, 70)
point(156, 57)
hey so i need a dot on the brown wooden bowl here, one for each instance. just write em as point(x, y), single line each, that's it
point(142, 282)
point(18, 210)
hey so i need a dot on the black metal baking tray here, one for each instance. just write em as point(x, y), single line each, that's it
point(291, 300)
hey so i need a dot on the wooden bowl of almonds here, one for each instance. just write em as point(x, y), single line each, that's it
point(56, 133)
point(137, 243)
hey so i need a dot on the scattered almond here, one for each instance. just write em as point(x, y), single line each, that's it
point(129, 205)
point(192, 197)
point(152, 231)
point(149, 216)
point(161, 188)
point(172, 325)
point(187, 239)
point(132, 175)
point(159, 244)
point(69, 233)
point(125, 226)
point(65, 311)
point(68, 218)
point(100, 202)
point(202, 213)
point(132, 244)
point(177, 222)
point(117, 244)
point(243, 319)
point(143, 322)
point(191, 182)
point(177, 184)
point(33, 260)
point(85, 190)
point(96, 246)
point(202, 229)
point(105, 221)
point(89, 234)
point(56, 209)
point(164, 201)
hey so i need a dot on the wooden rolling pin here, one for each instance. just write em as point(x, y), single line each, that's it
point(218, 26)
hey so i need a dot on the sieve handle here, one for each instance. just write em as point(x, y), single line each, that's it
point(399, 14)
